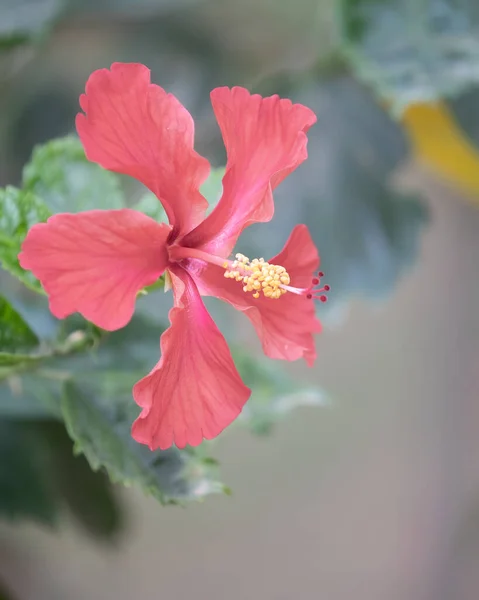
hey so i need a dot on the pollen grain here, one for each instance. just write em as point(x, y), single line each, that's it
point(258, 276)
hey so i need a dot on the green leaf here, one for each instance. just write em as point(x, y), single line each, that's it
point(23, 490)
point(132, 348)
point(16, 336)
point(274, 393)
point(212, 188)
point(19, 210)
point(151, 206)
point(24, 20)
point(61, 175)
point(41, 473)
point(37, 393)
point(88, 494)
point(412, 51)
point(98, 414)
point(14, 332)
point(30, 395)
point(10, 360)
point(464, 112)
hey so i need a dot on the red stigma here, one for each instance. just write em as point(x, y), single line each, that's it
point(315, 292)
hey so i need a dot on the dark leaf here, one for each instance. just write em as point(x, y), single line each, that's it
point(23, 490)
point(88, 494)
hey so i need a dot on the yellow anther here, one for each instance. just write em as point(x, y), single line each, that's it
point(258, 276)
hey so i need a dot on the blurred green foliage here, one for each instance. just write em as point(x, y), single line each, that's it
point(412, 50)
point(26, 20)
point(24, 490)
point(65, 388)
point(60, 174)
point(98, 413)
point(19, 210)
point(42, 475)
point(274, 393)
point(15, 334)
point(367, 231)
point(67, 394)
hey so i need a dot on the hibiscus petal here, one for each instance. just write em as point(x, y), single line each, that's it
point(265, 140)
point(285, 326)
point(194, 391)
point(96, 262)
point(134, 127)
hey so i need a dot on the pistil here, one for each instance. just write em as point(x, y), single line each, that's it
point(256, 276)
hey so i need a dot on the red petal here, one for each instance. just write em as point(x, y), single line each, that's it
point(285, 326)
point(265, 141)
point(195, 391)
point(134, 127)
point(96, 262)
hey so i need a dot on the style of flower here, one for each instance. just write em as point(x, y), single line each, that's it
point(96, 262)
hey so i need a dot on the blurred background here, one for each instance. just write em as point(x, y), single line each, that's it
point(370, 489)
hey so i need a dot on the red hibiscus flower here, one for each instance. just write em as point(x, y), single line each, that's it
point(96, 262)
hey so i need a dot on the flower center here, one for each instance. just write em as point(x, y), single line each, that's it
point(258, 276)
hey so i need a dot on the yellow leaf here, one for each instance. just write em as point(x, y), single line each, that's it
point(438, 141)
